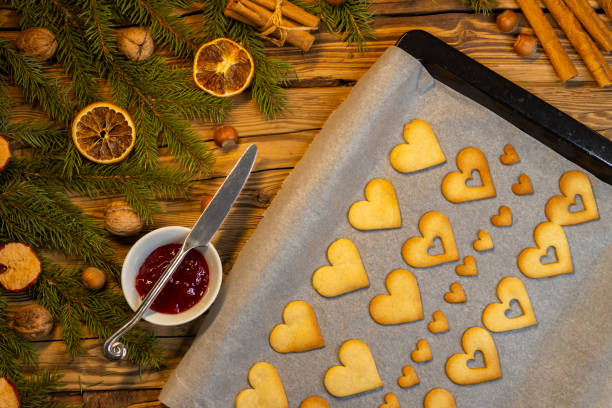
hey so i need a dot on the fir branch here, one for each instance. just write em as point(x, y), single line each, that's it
point(5, 101)
point(36, 391)
point(38, 135)
point(481, 6)
point(15, 352)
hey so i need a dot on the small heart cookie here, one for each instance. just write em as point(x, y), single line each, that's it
point(420, 151)
point(439, 324)
point(572, 184)
point(380, 209)
point(422, 353)
point(346, 272)
point(456, 294)
point(504, 217)
point(510, 156)
point(432, 225)
point(314, 402)
point(494, 315)
point(546, 234)
point(484, 241)
point(409, 378)
point(390, 401)
point(454, 187)
point(357, 373)
point(267, 389)
point(468, 267)
point(402, 304)
point(439, 398)
point(300, 331)
point(474, 339)
point(523, 186)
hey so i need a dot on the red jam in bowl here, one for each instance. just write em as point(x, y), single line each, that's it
point(186, 286)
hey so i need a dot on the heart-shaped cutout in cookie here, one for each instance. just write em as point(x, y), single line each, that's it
point(454, 187)
point(484, 241)
point(390, 401)
point(474, 339)
point(510, 156)
point(267, 389)
point(456, 294)
point(380, 209)
point(402, 304)
point(468, 267)
point(357, 373)
point(573, 183)
point(546, 235)
point(439, 324)
point(523, 186)
point(314, 401)
point(300, 332)
point(420, 151)
point(422, 353)
point(494, 315)
point(432, 225)
point(439, 398)
point(409, 377)
point(346, 272)
point(503, 218)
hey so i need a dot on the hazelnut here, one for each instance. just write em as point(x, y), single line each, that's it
point(32, 322)
point(38, 42)
point(121, 219)
point(135, 43)
point(93, 278)
point(5, 152)
point(525, 45)
point(507, 21)
point(206, 199)
point(335, 2)
point(226, 137)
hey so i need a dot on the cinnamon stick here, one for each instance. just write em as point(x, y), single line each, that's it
point(291, 11)
point(564, 68)
point(592, 23)
point(606, 5)
point(593, 59)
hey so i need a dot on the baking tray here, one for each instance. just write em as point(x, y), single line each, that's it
point(532, 115)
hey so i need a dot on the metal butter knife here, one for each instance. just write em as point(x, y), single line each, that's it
point(202, 232)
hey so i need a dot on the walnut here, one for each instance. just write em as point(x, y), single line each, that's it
point(121, 219)
point(32, 322)
point(38, 42)
point(135, 43)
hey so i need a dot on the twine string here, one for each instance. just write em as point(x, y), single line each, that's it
point(275, 22)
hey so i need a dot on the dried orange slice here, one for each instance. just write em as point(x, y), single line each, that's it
point(103, 132)
point(223, 68)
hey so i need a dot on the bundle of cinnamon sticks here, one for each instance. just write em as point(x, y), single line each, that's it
point(584, 29)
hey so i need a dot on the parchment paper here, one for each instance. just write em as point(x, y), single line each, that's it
point(564, 361)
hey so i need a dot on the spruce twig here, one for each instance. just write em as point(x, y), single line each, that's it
point(481, 6)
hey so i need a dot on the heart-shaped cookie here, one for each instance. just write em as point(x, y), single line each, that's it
point(390, 401)
point(300, 332)
point(546, 234)
point(439, 324)
point(474, 339)
point(409, 377)
point(314, 402)
point(432, 225)
point(357, 373)
point(573, 183)
point(267, 389)
point(494, 315)
point(510, 156)
point(484, 241)
point(346, 272)
point(523, 186)
point(420, 151)
point(454, 187)
point(439, 398)
point(503, 218)
point(402, 304)
point(456, 294)
point(422, 353)
point(380, 209)
point(468, 267)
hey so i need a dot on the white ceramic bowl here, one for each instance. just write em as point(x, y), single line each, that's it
point(137, 255)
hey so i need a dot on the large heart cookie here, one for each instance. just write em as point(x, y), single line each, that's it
point(346, 272)
point(573, 183)
point(439, 398)
point(432, 225)
point(546, 234)
point(474, 339)
point(314, 401)
point(422, 353)
point(380, 209)
point(409, 377)
point(402, 304)
point(267, 389)
point(454, 187)
point(494, 315)
point(420, 151)
point(300, 331)
point(390, 401)
point(357, 373)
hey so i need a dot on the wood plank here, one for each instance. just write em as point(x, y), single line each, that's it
point(114, 398)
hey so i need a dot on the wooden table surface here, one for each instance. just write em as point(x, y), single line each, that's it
point(326, 75)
